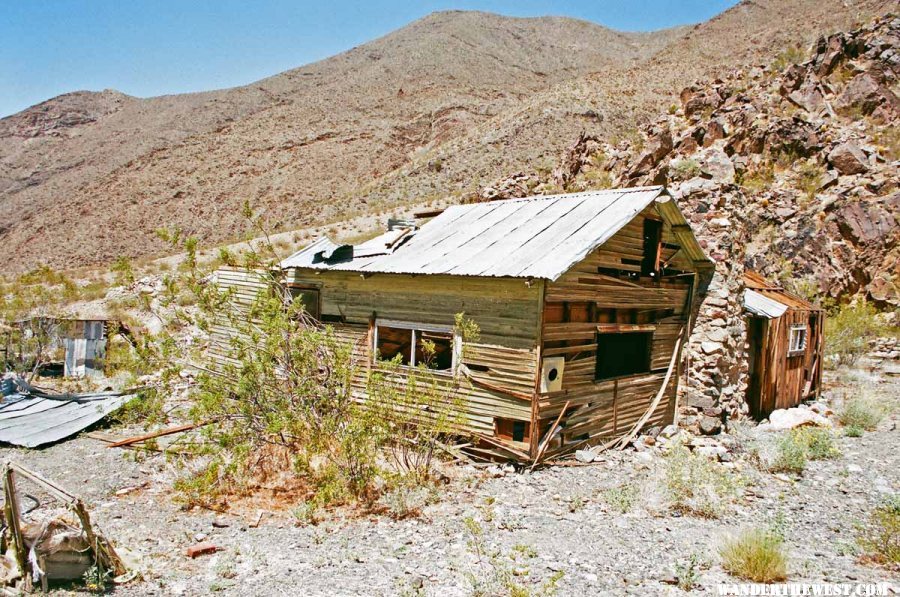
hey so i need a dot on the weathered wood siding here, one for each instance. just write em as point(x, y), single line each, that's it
point(584, 297)
point(244, 287)
point(504, 357)
point(777, 379)
point(507, 310)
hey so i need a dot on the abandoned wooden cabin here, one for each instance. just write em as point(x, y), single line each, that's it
point(785, 334)
point(581, 300)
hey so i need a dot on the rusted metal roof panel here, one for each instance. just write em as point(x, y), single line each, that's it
point(535, 237)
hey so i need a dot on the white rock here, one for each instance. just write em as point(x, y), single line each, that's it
point(710, 347)
point(584, 456)
point(789, 418)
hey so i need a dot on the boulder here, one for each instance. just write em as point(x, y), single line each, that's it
point(847, 158)
point(716, 164)
point(710, 425)
point(790, 418)
point(865, 93)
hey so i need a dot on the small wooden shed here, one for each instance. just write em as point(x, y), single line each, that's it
point(786, 339)
point(583, 301)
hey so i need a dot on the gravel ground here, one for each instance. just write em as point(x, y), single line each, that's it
point(540, 524)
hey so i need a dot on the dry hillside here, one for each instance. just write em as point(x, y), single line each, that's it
point(436, 108)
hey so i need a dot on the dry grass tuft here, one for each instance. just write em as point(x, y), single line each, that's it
point(756, 555)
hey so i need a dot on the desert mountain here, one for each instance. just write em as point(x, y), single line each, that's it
point(435, 109)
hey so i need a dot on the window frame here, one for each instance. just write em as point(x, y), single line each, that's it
point(801, 330)
point(308, 288)
point(413, 327)
point(637, 329)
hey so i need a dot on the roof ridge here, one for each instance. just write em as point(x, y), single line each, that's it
point(621, 191)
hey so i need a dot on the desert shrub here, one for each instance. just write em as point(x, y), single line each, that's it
point(697, 485)
point(848, 330)
point(687, 573)
point(860, 413)
point(888, 141)
point(756, 555)
point(685, 169)
point(621, 498)
point(794, 448)
point(496, 574)
point(819, 443)
point(880, 536)
point(283, 407)
point(123, 271)
point(809, 178)
point(789, 56)
point(758, 178)
point(790, 456)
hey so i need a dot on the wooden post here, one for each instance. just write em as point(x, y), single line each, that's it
point(616, 407)
point(12, 512)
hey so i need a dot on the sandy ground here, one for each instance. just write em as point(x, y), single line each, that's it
point(552, 522)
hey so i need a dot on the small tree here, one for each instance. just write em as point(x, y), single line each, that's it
point(848, 330)
point(285, 403)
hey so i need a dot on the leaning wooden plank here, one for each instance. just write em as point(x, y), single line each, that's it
point(543, 447)
point(171, 430)
point(625, 440)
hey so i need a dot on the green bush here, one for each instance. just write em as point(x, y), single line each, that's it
point(697, 485)
point(790, 456)
point(756, 555)
point(880, 537)
point(818, 442)
point(861, 413)
point(284, 404)
point(794, 448)
point(685, 169)
point(622, 498)
point(848, 330)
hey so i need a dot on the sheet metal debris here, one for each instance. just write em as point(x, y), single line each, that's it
point(30, 417)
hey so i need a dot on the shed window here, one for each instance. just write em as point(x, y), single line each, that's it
point(621, 354)
point(309, 297)
point(798, 340)
point(417, 344)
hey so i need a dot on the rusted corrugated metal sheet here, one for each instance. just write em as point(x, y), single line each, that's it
point(535, 237)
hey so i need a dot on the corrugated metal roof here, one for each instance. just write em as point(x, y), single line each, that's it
point(763, 306)
point(535, 237)
point(31, 419)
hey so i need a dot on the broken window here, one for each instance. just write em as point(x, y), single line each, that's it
point(797, 340)
point(620, 354)
point(309, 297)
point(510, 430)
point(652, 247)
point(417, 344)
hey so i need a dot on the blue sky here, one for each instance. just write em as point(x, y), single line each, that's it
point(155, 47)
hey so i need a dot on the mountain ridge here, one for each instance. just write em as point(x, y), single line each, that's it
point(382, 124)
